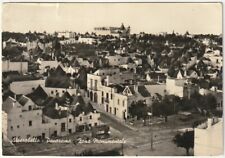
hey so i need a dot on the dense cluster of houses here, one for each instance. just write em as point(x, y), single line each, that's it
point(40, 114)
point(45, 107)
point(57, 98)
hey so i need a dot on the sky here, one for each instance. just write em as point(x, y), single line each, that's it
point(197, 18)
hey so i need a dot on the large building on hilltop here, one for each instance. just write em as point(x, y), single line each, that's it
point(114, 31)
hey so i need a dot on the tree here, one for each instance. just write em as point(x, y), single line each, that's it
point(185, 140)
point(138, 109)
point(164, 107)
point(208, 102)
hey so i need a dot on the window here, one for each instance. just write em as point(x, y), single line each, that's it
point(70, 130)
point(29, 107)
point(55, 123)
point(111, 96)
point(89, 125)
point(43, 135)
point(91, 83)
point(18, 126)
point(52, 92)
point(30, 123)
point(20, 116)
point(102, 93)
point(90, 117)
point(96, 84)
point(118, 102)
point(107, 95)
point(63, 91)
point(80, 118)
point(70, 120)
point(123, 103)
point(96, 123)
point(63, 127)
point(11, 128)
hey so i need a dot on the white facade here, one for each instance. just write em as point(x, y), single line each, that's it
point(208, 139)
point(101, 31)
point(175, 86)
point(90, 119)
point(33, 44)
point(56, 128)
point(70, 69)
point(129, 66)
point(23, 121)
point(117, 60)
point(86, 40)
point(44, 64)
point(85, 62)
point(102, 91)
point(66, 34)
point(60, 91)
point(68, 41)
point(107, 97)
point(21, 67)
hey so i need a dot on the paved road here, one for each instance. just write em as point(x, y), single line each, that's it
point(115, 124)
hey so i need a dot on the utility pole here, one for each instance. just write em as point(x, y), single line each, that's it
point(122, 150)
point(151, 134)
point(151, 131)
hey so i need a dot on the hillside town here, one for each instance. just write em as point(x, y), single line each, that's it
point(146, 90)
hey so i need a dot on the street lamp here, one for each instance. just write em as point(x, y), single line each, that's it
point(151, 131)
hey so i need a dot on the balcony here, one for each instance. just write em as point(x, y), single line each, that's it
point(94, 88)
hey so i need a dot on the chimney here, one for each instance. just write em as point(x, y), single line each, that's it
point(135, 70)
point(56, 106)
point(136, 87)
point(185, 73)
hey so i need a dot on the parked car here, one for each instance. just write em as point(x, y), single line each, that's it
point(101, 132)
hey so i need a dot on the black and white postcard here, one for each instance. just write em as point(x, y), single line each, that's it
point(112, 79)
